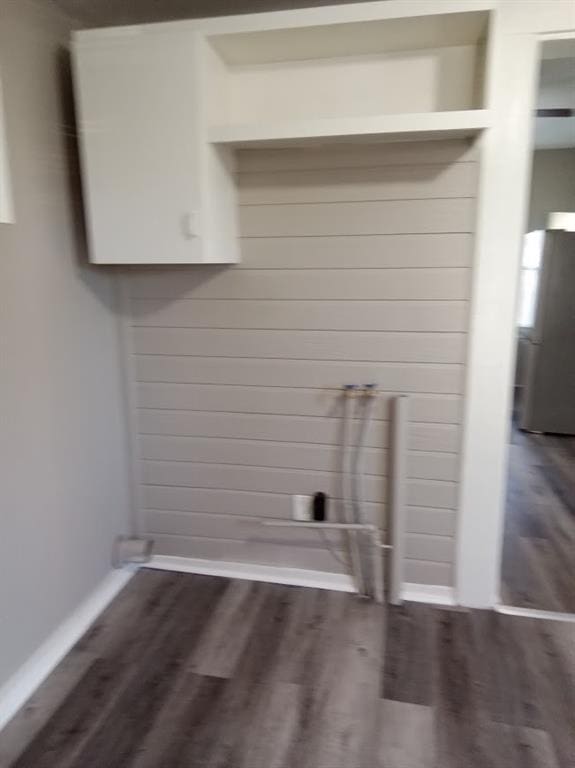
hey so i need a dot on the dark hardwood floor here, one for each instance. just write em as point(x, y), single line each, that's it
point(200, 671)
point(538, 565)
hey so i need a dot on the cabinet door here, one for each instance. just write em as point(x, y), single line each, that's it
point(139, 137)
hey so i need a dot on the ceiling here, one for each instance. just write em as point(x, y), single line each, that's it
point(94, 13)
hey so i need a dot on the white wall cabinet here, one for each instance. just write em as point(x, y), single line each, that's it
point(164, 107)
point(148, 175)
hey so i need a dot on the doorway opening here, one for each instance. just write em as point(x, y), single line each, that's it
point(538, 564)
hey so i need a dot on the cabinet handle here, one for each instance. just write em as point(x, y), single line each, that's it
point(190, 225)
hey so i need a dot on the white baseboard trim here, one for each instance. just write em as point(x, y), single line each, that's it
point(299, 577)
point(18, 689)
point(535, 613)
point(339, 582)
point(428, 593)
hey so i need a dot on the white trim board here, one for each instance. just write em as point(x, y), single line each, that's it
point(339, 582)
point(18, 689)
point(410, 127)
point(512, 72)
point(434, 594)
point(535, 613)
point(6, 201)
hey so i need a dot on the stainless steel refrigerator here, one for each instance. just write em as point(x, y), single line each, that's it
point(549, 395)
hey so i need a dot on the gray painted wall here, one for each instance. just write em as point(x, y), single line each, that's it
point(552, 185)
point(356, 267)
point(63, 492)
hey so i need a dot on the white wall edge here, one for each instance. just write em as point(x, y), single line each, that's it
point(434, 594)
point(6, 199)
point(535, 613)
point(300, 577)
point(18, 689)
point(505, 167)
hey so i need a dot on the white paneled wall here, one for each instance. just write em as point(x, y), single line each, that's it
point(355, 268)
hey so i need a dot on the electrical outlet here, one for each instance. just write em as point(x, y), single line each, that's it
point(302, 508)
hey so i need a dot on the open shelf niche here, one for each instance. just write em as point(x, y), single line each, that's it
point(392, 79)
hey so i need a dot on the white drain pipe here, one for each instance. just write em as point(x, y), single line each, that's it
point(349, 392)
point(368, 394)
point(352, 527)
point(397, 496)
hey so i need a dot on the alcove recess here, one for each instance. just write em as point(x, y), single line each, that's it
point(389, 79)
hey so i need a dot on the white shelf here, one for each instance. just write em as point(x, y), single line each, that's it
point(403, 127)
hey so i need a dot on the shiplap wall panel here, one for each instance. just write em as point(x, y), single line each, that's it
point(369, 252)
point(288, 481)
point(286, 401)
point(359, 218)
point(450, 284)
point(240, 528)
point(431, 521)
point(308, 429)
point(354, 156)
point(253, 529)
point(426, 316)
point(328, 185)
point(264, 453)
point(356, 266)
point(444, 378)
point(428, 572)
point(303, 345)
point(266, 479)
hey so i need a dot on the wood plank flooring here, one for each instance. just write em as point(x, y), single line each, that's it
point(538, 565)
point(197, 671)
